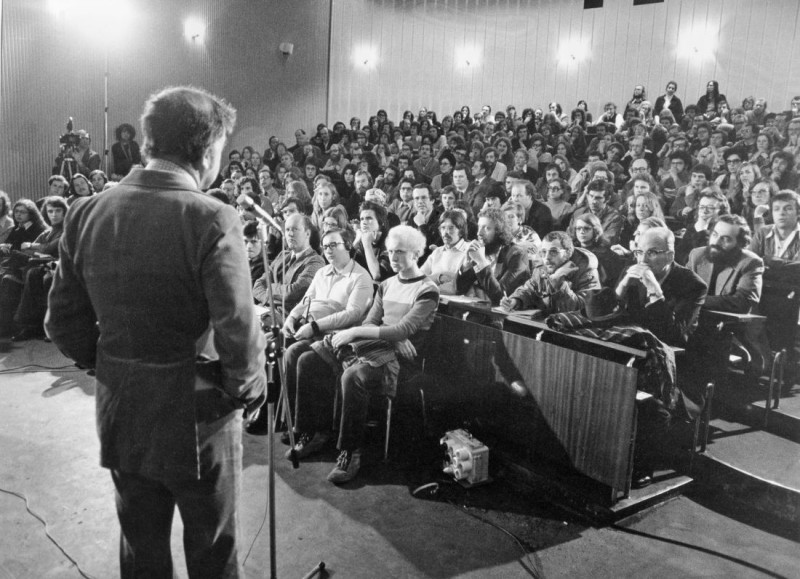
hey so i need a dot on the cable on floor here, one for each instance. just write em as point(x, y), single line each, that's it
point(264, 520)
point(47, 532)
point(705, 550)
point(19, 369)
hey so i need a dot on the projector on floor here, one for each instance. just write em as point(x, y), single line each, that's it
point(466, 458)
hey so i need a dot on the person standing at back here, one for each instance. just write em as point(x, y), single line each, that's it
point(153, 291)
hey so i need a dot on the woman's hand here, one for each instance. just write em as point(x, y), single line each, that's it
point(344, 337)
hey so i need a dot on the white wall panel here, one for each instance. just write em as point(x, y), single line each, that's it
point(520, 40)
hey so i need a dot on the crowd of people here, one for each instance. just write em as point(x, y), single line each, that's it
point(670, 208)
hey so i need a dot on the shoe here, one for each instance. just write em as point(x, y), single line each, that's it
point(285, 437)
point(307, 444)
point(26, 334)
point(641, 480)
point(259, 426)
point(347, 466)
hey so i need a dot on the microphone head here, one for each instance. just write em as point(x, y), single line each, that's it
point(245, 201)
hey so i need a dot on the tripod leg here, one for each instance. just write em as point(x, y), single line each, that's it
point(287, 413)
point(271, 483)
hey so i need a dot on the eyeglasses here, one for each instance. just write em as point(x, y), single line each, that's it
point(554, 188)
point(650, 253)
point(733, 160)
point(332, 245)
point(582, 228)
point(552, 252)
point(707, 207)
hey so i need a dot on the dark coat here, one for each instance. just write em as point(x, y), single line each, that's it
point(673, 319)
point(738, 286)
point(152, 275)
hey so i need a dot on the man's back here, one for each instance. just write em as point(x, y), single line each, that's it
point(160, 264)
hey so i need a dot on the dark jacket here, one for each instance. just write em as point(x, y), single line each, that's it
point(150, 276)
point(673, 319)
point(508, 272)
point(738, 286)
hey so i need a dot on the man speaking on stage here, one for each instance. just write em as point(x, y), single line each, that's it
point(153, 291)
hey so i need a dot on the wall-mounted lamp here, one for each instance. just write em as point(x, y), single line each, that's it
point(697, 44)
point(194, 30)
point(573, 51)
point(468, 56)
point(286, 48)
point(365, 57)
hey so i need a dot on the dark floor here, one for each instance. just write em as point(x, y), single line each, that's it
point(370, 528)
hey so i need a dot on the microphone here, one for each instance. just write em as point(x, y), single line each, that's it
point(244, 201)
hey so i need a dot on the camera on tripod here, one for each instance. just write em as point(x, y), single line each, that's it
point(70, 140)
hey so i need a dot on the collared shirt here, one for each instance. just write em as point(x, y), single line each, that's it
point(336, 299)
point(782, 245)
point(445, 260)
point(170, 167)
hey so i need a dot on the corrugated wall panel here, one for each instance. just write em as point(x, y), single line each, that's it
point(520, 40)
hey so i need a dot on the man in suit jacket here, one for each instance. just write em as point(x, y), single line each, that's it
point(734, 277)
point(481, 185)
point(659, 294)
point(152, 279)
point(665, 298)
point(292, 271)
point(733, 273)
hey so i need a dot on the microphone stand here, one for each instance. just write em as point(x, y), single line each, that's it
point(275, 357)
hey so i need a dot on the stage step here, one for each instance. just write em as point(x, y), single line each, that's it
point(744, 402)
point(753, 466)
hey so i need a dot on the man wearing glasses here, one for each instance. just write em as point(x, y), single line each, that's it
point(659, 294)
point(727, 181)
point(561, 282)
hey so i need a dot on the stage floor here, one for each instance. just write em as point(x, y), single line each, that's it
point(372, 527)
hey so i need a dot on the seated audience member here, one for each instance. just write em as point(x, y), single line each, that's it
point(28, 225)
point(598, 194)
point(27, 275)
point(659, 294)
point(325, 197)
point(445, 176)
point(782, 171)
point(687, 197)
point(558, 192)
point(560, 284)
point(403, 205)
point(756, 207)
point(293, 269)
point(779, 243)
point(495, 266)
point(711, 204)
point(335, 217)
point(378, 197)
point(444, 262)
point(626, 253)
point(370, 246)
point(6, 221)
point(495, 197)
point(641, 205)
point(338, 298)
point(676, 175)
point(732, 272)
point(298, 190)
point(266, 178)
point(57, 186)
point(252, 244)
point(537, 215)
point(523, 236)
point(480, 185)
point(80, 186)
point(390, 339)
point(98, 179)
point(425, 218)
point(589, 236)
